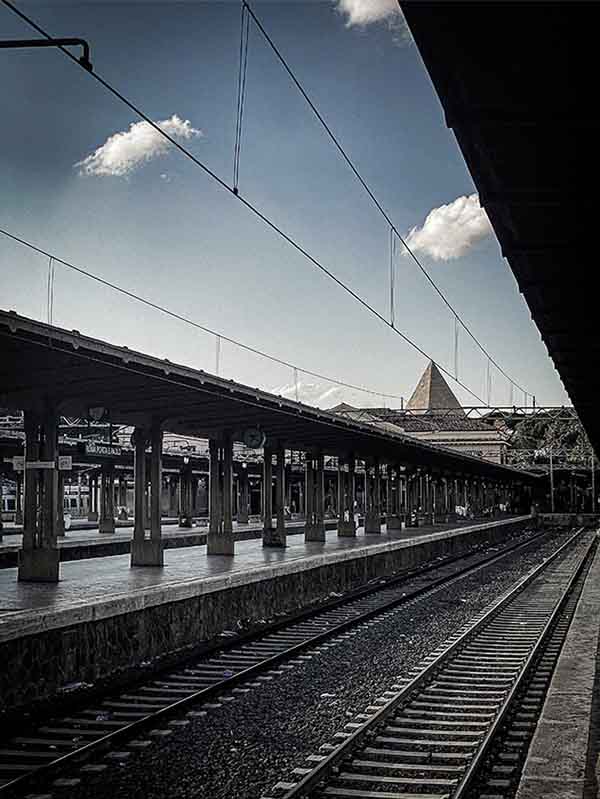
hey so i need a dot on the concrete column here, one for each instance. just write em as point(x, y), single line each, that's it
point(346, 481)
point(214, 489)
point(301, 495)
point(290, 491)
point(414, 495)
point(269, 538)
point(123, 514)
point(18, 498)
point(39, 557)
point(156, 490)
point(185, 497)
point(146, 551)
point(243, 496)
point(220, 539)
point(394, 518)
point(314, 529)
point(92, 497)
point(373, 514)
point(194, 483)
point(60, 504)
point(107, 513)
point(408, 497)
point(309, 488)
point(278, 538)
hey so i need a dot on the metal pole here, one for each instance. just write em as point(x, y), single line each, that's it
point(551, 484)
point(593, 486)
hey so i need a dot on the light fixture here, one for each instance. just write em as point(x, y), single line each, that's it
point(97, 412)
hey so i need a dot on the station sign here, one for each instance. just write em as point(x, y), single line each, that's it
point(65, 463)
point(18, 462)
point(40, 465)
point(103, 450)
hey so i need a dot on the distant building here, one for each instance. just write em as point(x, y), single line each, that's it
point(434, 414)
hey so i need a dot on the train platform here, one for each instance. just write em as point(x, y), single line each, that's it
point(86, 541)
point(113, 616)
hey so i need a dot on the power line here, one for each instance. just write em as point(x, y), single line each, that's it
point(365, 186)
point(241, 93)
point(218, 335)
point(280, 232)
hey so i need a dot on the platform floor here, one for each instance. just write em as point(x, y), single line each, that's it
point(112, 577)
point(12, 540)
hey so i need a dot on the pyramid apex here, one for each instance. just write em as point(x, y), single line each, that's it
point(433, 393)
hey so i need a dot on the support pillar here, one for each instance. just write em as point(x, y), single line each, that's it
point(314, 529)
point(18, 499)
point(243, 496)
point(107, 512)
point(220, 539)
point(185, 496)
point(60, 505)
point(373, 514)
point(146, 551)
point(268, 538)
point(280, 539)
point(394, 519)
point(346, 483)
point(92, 497)
point(274, 536)
point(39, 557)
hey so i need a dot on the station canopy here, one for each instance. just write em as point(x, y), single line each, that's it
point(40, 363)
point(518, 83)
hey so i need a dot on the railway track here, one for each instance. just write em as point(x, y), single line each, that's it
point(38, 755)
point(459, 725)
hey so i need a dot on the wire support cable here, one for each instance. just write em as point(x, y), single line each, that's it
point(241, 94)
point(174, 315)
point(50, 287)
point(368, 190)
point(254, 210)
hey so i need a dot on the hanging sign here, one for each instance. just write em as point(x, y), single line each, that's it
point(98, 448)
point(40, 465)
point(65, 463)
point(18, 462)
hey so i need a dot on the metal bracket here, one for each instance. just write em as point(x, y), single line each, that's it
point(84, 60)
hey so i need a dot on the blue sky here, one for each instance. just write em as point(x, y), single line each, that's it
point(166, 231)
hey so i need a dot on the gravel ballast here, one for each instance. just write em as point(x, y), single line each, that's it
point(253, 738)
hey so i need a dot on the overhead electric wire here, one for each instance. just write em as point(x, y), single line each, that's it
point(281, 233)
point(366, 187)
point(241, 93)
point(218, 335)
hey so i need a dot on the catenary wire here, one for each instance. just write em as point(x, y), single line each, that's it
point(191, 322)
point(280, 232)
point(366, 187)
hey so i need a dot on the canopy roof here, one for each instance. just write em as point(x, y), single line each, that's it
point(41, 364)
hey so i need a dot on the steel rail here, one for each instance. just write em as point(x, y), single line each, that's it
point(464, 787)
point(131, 729)
point(318, 775)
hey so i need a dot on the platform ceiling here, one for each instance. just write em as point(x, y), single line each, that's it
point(518, 82)
point(39, 362)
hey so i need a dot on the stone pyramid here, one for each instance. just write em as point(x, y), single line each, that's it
point(433, 394)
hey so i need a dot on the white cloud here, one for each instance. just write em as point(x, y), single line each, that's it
point(364, 12)
point(311, 393)
point(360, 13)
point(450, 230)
point(126, 151)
